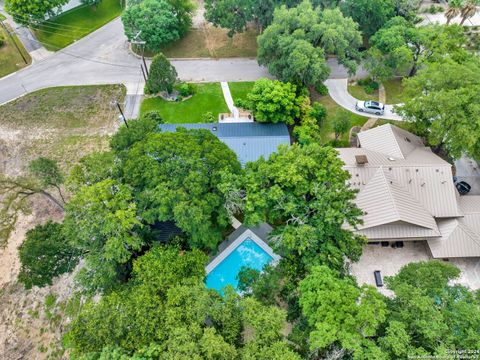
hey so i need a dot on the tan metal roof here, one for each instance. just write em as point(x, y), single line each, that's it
point(469, 204)
point(407, 193)
point(398, 231)
point(460, 238)
point(390, 140)
point(385, 201)
point(430, 182)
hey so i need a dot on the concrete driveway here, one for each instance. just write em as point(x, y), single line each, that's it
point(337, 88)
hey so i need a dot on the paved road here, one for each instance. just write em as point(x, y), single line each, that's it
point(103, 58)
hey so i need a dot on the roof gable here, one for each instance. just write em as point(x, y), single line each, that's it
point(390, 140)
point(386, 202)
point(458, 239)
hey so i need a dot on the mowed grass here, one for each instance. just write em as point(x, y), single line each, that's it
point(63, 30)
point(208, 97)
point(394, 91)
point(63, 123)
point(10, 58)
point(359, 93)
point(240, 90)
point(212, 42)
point(326, 130)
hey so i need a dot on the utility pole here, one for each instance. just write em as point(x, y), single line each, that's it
point(121, 112)
point(14, 43)
point(143, 73)
point(142, 43)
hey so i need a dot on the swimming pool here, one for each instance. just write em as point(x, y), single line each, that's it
point(247, 253)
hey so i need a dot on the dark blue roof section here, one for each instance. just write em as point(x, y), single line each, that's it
point(249, 141)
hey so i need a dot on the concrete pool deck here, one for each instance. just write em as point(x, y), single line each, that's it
point(258, 234)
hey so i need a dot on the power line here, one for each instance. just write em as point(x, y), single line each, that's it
point(60, 50)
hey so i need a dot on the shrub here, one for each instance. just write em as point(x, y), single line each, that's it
point(208, 117)
point(186, 89)
point(321, 89)
point(318, 112)
point(162, 75)
point(45, 254)
point(154, 116)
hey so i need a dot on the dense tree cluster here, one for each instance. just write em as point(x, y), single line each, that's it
point(441, 98)
point(157, 22)
point(295, 45)
point(27, 11)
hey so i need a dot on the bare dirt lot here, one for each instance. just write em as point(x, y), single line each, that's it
point(63, 124)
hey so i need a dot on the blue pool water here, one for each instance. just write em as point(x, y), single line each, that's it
point(248, 253)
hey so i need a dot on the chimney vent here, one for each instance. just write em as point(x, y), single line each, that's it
point(361, 159)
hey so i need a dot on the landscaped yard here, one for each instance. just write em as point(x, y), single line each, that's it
point(394, 91)
point(63, 123)
point(10, 58)
point(333, 108)
point(212, 42)
point(359, 93)
point(56, 33)
point(240, 90)
point(208, 97)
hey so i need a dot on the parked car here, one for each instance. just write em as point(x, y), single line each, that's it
point(463, 187)
point(373, 107)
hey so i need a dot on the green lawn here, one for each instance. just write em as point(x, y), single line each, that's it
point(394, 91)
point(326, 130)
point(208, 97)
point(10, 59)
point(359, 93)
point(2, 17)
point(76, 23)
point(240, 90)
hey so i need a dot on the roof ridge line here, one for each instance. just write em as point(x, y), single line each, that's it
point(389, 191)
point(397, 145)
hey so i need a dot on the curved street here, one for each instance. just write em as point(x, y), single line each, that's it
point(103, 57)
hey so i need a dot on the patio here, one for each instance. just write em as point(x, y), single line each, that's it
point(389, 261)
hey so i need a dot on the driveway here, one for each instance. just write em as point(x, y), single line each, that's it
point(337, 88)
point(468, 170)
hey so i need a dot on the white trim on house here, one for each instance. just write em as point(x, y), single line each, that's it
point(247, 234)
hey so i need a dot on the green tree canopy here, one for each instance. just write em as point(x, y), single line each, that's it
point(166, 312)
point(101, 220)
point(174, 176)
point(47, 172)
point(339, 311)
point(371, 15)
point(155, 19)
point(27, 11)
point(399, 47)
point(291, 46)
point(273, 101)
point(136, 131)
point(44, 254)
point(432, 318)
point(162, 75)
point(442, 106)
point(303, 190)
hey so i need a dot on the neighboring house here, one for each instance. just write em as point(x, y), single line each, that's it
point(407, 194)
point(249, 141)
